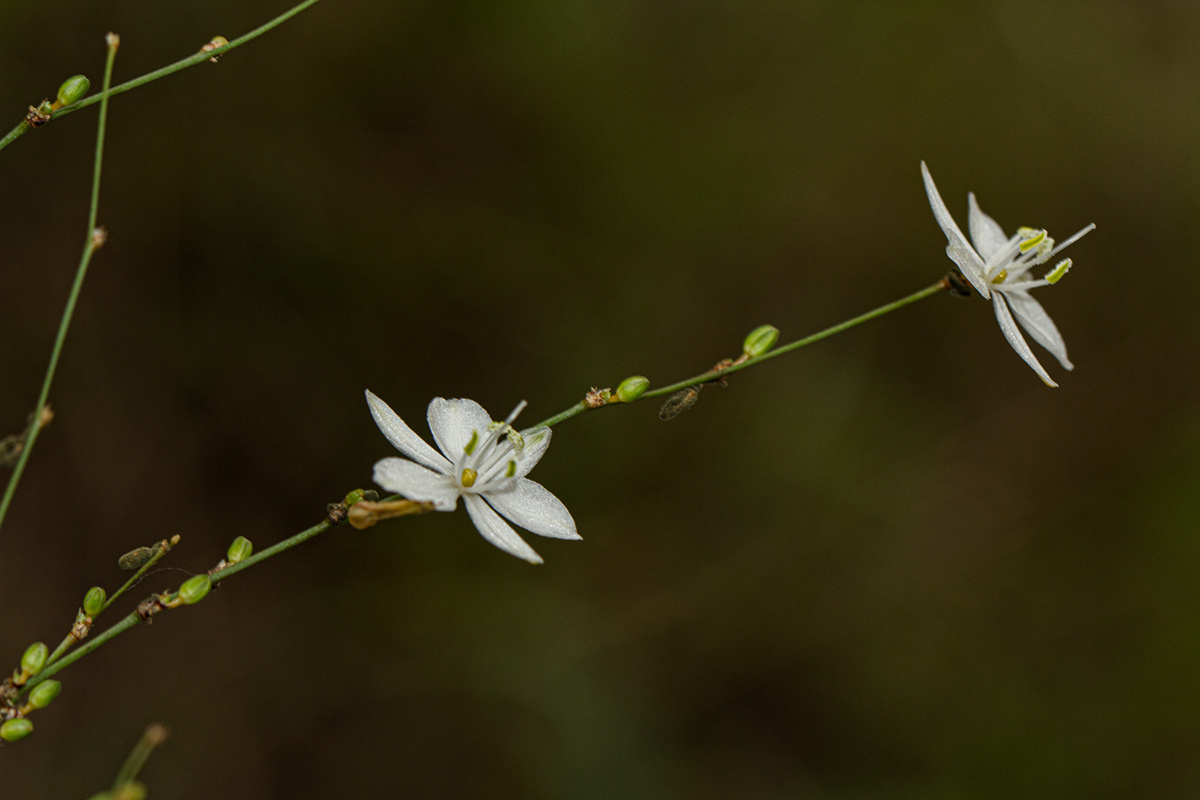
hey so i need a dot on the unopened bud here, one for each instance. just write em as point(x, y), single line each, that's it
point(195, 589)
point(239, 549)
point(45, 108)
point(44, 693)
point(135, 558)
point(632, 388)
point(93, 601)
point(15, 730)
point(73, 89)
point(34, 658)
point(760, 340)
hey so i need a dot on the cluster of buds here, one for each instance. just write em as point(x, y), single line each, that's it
point(15, 726)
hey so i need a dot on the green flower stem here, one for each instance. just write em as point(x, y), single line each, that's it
point(134, 618)
point(192, 60)
point(90, 243)
point(714, 374)
point(154, 736)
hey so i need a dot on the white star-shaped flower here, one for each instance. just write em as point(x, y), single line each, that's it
point(998, 266)
point(483, 462)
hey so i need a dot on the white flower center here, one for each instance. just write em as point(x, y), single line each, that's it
point(489, 462)
point(1028, 248)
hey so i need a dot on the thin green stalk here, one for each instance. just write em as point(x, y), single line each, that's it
point(152, 738)
point(714, 374)
point(191, 60)
point(90, 243)
point(134, 618)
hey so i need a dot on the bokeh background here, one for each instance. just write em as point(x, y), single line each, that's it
point(893, 565)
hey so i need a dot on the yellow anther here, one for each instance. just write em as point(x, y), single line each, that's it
point(1055, 275)
point(470, 448)
point(1002, 277)
point(512, 469)
point(1034, 239)
point(468, 478)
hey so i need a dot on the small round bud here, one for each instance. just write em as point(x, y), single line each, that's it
point(632, 388)
point(239, 549)
point(93, 601)
point(35, 658)
point(45, 108)
point(73, 89)
point(195, 589)
point(760, 340)
point(15, 730)
point(44, 693)
point(354, 496)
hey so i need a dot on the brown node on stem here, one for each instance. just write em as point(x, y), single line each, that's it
point(217, 41)
point(36, 116)
point(597, 397)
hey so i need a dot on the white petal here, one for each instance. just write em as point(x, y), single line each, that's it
point(1013, 334)
point(402, 437)
point(453, 421)
point(417, 483)
point(986, 233)
point(959, 249)
point(536, 442)
point(497, 531)
point(534, 508)
point(1037, 323)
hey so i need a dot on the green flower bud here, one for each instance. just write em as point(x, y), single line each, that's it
point(760, 340)
point(44, 693)
point(354, 497)
point(73, 89)
point(15, 730)
point(195, 589)
point(239, 549)
point(35, 658)
point(45, 108)
point(632, 388)
point(93, 601)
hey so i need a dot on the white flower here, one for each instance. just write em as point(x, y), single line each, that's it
point(998, 265)
point(484, 462)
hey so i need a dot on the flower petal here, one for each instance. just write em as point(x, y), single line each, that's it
point(986, 233)
point(959, 249)
point(1037, 323)
point(417, 483)
point(452, 423)
point(1013, 334)
point(536, 441)
point(534, 508)
point(497, 531)
point(402, 437)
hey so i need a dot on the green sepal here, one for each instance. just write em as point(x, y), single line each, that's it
point(195, 589)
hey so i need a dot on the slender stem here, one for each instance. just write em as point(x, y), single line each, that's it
point(163, 548)
point(90, 243)
point(154, 736)
point(192, 60)
point(286, 544)
point(714, 374)
point(134, 618)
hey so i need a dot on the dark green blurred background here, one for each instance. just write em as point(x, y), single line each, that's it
point(893, 565)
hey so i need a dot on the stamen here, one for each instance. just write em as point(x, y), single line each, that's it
point(512, 469)
point(468, 478)
point(517, 441)
point(1060, 269)
point(470, 448)
point(1035, 237)
point(1001, 276)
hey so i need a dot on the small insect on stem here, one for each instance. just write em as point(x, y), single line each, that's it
point(136, 557)
point(679, 402)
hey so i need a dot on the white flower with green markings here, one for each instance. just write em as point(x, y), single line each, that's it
point(483, 462)
point(998, 267)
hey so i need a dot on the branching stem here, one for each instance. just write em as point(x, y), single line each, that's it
point(23, 126)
